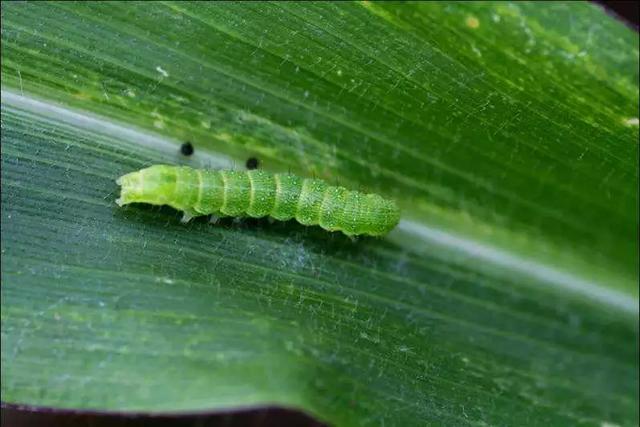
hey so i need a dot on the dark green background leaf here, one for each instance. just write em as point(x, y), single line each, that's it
point(507, 132)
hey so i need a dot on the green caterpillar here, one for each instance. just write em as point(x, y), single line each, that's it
point(258, 194)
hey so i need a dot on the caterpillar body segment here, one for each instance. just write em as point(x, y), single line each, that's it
point(257, 194)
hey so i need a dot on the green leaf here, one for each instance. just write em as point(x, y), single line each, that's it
point(507, 132)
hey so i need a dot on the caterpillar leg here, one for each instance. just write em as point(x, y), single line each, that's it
point(215, 217)
point(188, 216)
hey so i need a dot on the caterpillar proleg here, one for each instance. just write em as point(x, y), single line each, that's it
point(257, 194)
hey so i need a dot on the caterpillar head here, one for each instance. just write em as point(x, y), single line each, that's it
point(154, 185)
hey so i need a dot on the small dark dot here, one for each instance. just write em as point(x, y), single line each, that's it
point(186, 148)
point(252, 163)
